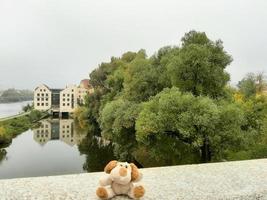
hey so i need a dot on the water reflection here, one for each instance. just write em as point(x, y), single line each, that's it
point(63, 147)
point(161, 150)
point(49, 149)
point(55, 129)
point(98, 151)
point(2, 154)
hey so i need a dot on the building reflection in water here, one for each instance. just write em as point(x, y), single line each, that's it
point(57, 129)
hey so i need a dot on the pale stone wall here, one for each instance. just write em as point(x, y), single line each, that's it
point(246, 180)
point(71, 97)
point(42, 98)
point(68, 99)
point(81, 93)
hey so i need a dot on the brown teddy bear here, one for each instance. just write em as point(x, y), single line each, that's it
point(120, 179)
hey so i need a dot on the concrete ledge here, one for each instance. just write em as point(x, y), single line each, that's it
point(227, 180)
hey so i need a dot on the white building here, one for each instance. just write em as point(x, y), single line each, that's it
point(61, 100)
point(42, 98)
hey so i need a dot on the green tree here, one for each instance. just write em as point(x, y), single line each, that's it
point(200, 66)
point(247, 85)
point(198, 121)
point(261, 82)
point(141, 80)
point(118, 117)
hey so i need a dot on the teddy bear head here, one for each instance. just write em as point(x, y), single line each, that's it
point(122, 172)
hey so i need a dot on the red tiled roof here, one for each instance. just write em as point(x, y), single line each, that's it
point(85, 83)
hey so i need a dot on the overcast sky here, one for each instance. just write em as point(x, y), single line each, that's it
point(59, 42)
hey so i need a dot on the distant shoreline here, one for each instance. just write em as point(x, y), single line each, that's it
point(10, 102)
point(14, 95)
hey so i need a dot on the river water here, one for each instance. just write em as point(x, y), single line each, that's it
point(53, 147)
point(50, 149)
point(61, 146)
point(9, 109)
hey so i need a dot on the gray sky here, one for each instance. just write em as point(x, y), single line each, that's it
point(59, 42)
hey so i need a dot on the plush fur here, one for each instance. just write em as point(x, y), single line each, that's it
point(121, 178)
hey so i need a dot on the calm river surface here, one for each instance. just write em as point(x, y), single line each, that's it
point(9, 109)
point(50, 149)
point(60, 146)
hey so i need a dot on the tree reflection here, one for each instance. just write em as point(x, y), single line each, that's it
point(98, 152)
point(2, 154)
point(164, 150)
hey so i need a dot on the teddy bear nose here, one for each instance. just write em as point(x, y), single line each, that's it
point(123, 171)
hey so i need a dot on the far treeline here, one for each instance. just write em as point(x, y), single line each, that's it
point(180, 92)
point(13, 95)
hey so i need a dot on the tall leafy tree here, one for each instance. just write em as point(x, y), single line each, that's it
point(200, 66)
point(198, 121)
point(248, 85)
point(141, 80)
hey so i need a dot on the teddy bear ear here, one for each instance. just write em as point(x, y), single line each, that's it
point(135, 172)
point(112, 164)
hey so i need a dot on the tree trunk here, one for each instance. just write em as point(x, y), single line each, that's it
point(205, 150)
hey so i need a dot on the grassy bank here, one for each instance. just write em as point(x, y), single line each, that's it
point(13, 127)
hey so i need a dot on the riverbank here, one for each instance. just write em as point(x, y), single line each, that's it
point(226, 180)
point(11, 109)
point(12, 127)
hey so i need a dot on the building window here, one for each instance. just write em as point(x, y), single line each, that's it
point(38, 99)
point(42, 94)
point(72, 90)
point(63, 99)
point(41, 90)
point(44, 90)
point(38, 104)
point(46, 99)
point(63, 95)
point(38, 94)
point(42, 104)
point(42, 99)
point(68, 95)
point(68, 104)
point(63, 104)
point(68, 99)
point(47, 94)
point(46, 104)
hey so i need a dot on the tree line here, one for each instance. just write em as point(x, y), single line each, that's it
point(180, 92)
point(13, 95)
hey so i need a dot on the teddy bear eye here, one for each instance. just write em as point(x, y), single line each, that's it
point(126, 166)
point(121, 165)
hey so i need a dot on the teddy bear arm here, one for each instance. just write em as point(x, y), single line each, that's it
point(105, 180)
